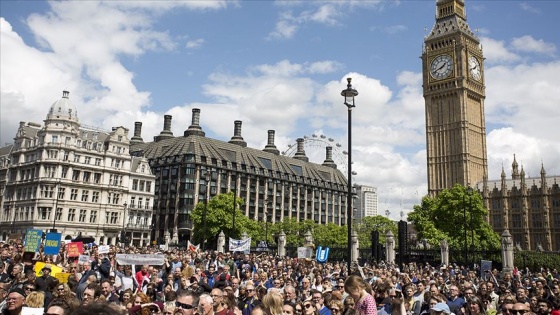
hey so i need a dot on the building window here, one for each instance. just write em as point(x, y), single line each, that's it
point(65, 158)
point(75, 175)
point(97, 178)
point(54, 139)
point(82, 217)
point(141, 185)
point(85, 196)
point(516, 221)
point(73, 194)
point(139, 202)
point(134, 184)
point(87, 160)
point(132, 201)
point(52, 154)
point(61, 193)
point(95, 197)
point(537, 220)
point(44, 213)
point(64, 172)
point(114, 217)
point(71, 215)
point(93, 216)
point(77, 158)
point(86, 177)
point(97, 162)
point(58, 214)
point(147, 203)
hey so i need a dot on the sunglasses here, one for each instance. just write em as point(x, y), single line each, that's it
point(307, 305)
point(183, 306)
point(298, 310)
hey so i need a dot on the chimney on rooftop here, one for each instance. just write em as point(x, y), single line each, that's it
point(300, 153)
point(166, 132)
point(137, 138)
point(194, 129)
point(237, 138)
point(329, 160)
point(271, 147)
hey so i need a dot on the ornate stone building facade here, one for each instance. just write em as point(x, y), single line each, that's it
point(454, 93)
point(75, 179)
point(529, 207)
point(272, 185)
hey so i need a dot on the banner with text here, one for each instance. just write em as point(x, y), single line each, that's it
point(32, 240)
point(52, 243)
point(239, 245)
point(103, 249)
point(140, 259)
point(74, 249)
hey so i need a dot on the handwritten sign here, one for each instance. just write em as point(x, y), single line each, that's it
point(75, 249)
point(62, 277)
point(32, 240)
point(304, 252)
point(82, 259)
point(140, 259)
point(103, 249)
point(52, 243)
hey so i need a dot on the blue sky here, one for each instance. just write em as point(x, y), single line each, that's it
point(281, 65)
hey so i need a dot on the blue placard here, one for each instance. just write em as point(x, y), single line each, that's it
point(52, 243)
point(32, 240)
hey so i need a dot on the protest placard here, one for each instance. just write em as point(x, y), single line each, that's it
point(103, 249)
point(62, 277)
point(74, 249)
point(82, 259)
point(32, 240)
point(52, 243)
point(140, 259)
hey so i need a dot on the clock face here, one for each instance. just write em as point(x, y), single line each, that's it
point(441, 67)
point(474, 68)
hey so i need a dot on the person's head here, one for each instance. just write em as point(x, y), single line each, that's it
point(250, 291)
point(475, 305)
point(336, 307)
point(205, 305)
point(420, 287)
point(289, 293)
point(106, 287)
point(35, 299)
point(46, 271)
point(349, 302)
point(440, 309)
point(288, 308)
point(544, 306)
point(217, 297)
point(273, 303)
point(354, 286)
point(60, 306)
point(305, 283)
point(186, 302)
point(309, 307)
point(15, 300)
point(298, 309)
point(453, 291)
point(91, 293)
point(468, 293)
point(520, 309)
point(28, 288)
point(169, 308)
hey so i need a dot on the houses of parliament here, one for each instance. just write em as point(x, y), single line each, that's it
point(454, 94)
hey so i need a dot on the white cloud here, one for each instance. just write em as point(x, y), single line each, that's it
point(529, 8)
point(529, 44)
point(191, 44)
point(496, 52)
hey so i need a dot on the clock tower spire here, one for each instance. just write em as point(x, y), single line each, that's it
point(454, 93)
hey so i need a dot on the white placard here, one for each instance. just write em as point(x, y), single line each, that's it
point(140, 259)
point(82, 259)
point(103, 249)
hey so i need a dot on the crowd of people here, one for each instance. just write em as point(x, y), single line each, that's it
point(215, 283)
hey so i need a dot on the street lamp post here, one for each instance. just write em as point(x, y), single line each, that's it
point(123, 233)
point(208, 174)
point(234, 179)
point(469, 190)
point(465, 232)
point(349, 94)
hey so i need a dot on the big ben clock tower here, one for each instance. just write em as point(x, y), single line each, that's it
point(453, 77)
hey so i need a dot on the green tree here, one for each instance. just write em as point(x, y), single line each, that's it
point(368, 224)
point(329, 234)
point(451, 213)
point(219, 217)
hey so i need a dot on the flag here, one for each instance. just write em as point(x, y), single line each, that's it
point(191, 247)
point(239, 245)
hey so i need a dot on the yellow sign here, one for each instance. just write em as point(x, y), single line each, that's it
point(63, 277)
point(39, 267)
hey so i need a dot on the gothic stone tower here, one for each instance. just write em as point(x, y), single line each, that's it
point(453, 77)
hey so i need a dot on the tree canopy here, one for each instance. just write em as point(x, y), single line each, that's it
point(453, 214)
